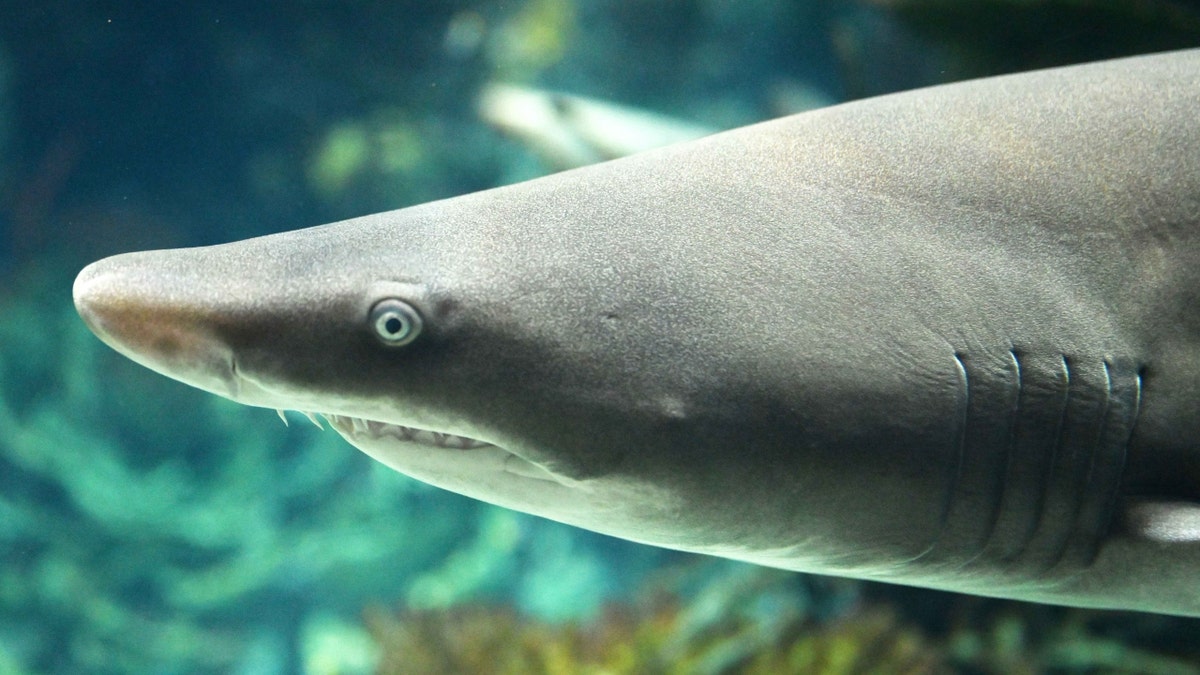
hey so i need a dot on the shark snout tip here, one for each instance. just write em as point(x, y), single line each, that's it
point(130, 308)
point(114, 303)
point(92, 286)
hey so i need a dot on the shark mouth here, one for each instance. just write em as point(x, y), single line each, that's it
point(437, 439)
point(358, 426)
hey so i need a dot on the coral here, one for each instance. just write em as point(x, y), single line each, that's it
point(871, 641)
point(710, 618)
point(1010, 637)
point(661, 635)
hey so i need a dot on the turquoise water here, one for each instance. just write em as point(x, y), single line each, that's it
point(150, 528)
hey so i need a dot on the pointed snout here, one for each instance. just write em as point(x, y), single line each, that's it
point(98, 298)
point(136, 305)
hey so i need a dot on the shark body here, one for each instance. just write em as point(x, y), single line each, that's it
point(948, 338)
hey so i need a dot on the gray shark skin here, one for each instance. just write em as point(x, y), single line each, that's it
point(948, 338)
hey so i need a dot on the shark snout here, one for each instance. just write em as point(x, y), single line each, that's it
point(94, 297)
point(139, 314)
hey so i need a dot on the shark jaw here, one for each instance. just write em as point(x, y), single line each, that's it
point(493, 474)
point(357, 427)
point(411, 450)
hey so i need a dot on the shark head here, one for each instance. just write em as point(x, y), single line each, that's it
point(438, 342)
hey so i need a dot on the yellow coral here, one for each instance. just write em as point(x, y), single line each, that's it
point(622, 640)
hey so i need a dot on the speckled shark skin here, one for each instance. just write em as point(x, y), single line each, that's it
point(949, 338)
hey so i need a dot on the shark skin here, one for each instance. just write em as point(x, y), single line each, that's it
point(947, 338)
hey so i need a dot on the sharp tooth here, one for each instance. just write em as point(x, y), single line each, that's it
point(313, 418)
point(360, 424)
point(279, 411)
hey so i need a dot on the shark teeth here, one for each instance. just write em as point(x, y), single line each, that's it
point(311, 417)
point(437, 439)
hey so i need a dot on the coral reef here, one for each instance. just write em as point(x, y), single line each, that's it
point(714, 633)
point(744, 619)
point(652, 639)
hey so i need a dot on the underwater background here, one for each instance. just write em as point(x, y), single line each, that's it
point(147, 527)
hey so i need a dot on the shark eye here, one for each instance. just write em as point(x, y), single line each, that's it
point(395, 322)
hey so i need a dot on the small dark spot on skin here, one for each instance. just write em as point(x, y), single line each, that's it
point(446, 306)
point(610, 316)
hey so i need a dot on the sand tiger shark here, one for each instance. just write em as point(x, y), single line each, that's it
point(947, 338)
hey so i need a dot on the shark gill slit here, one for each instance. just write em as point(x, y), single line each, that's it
point(1094, 512)
point(1048, 497)
point(1037, 483)
point(1041, 444)
point(1005, 447)
point(1064, 468)
point(985, 387)
point(960, 456)
point(964, 411)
